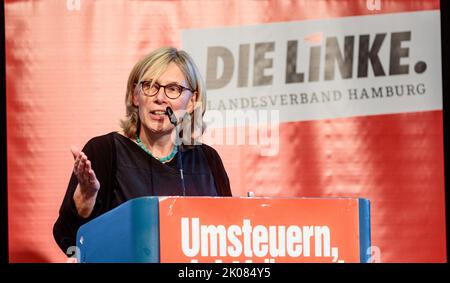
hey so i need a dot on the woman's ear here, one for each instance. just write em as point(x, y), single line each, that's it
point(135, 98)
point(191, 102)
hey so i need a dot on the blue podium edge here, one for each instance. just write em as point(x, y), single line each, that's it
point(140, 209)
point(364, 230)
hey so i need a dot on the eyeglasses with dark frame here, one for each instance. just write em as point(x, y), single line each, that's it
point(172, 90)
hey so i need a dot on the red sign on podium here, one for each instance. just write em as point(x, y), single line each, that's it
point(205, 229)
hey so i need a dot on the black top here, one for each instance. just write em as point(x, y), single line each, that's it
point(125, 171)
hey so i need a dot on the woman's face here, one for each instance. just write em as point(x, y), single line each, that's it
point(152, 108)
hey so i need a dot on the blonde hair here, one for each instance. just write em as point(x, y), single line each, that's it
point(154, 65)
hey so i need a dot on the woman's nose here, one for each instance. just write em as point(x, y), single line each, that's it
point(160, 95)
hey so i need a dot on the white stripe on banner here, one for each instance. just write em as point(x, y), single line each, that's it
point(317, 69)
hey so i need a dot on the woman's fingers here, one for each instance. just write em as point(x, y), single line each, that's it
point(93, 179)
point(75, 151)
point(86, 170)
point(81, 169)
point(91, 176)
point(75, 164)
point(87, 174)
point(80, 166)
point(76, 156)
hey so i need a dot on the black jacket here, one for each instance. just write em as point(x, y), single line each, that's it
point(125, 171)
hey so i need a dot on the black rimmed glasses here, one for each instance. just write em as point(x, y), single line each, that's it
point(172, 90)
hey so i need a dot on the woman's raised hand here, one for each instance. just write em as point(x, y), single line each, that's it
point(88, 184)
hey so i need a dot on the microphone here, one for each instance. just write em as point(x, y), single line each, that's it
point(171, 115)
point(174, 121)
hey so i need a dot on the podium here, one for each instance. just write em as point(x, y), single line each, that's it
point(221, 229)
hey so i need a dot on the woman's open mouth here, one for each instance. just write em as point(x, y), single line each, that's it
point(157, 114)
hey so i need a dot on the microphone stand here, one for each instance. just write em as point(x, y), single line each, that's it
point(173, 120)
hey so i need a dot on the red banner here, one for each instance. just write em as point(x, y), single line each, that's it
point(259, 230)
